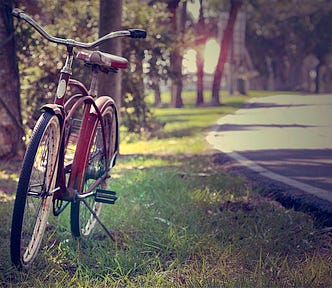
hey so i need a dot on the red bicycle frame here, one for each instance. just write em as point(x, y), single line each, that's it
point(91, 117)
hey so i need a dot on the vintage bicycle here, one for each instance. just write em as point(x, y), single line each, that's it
point(72, 150)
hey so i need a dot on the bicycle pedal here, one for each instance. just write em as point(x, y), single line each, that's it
point(105, 196)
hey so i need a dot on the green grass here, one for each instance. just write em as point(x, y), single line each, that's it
point(180, 221)
point(183, 127)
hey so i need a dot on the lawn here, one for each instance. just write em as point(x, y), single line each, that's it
point(180, 221)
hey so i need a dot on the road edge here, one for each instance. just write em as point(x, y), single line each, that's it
point(290, 193)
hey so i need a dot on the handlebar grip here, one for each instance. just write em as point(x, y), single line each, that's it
point(137, 33)
point(17, 13)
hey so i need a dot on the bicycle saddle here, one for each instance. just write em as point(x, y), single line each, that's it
point(102, 59)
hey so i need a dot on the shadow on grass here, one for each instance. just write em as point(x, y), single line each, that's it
point(181, 132)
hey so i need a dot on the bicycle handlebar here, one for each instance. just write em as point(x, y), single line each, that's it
point(132, 33)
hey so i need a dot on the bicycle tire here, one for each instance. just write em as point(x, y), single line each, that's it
point(82, 220)
point(33, 202)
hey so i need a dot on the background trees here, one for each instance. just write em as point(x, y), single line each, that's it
point(289, 47)
point(79, 20)
point(149, 62)
point(281, 34)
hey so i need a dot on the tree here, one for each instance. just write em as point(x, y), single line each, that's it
point(323, 46)
point(200, 44)
point(281, 34)
point(110, 17)
point(147, 60)
point(160, 43)
point(11, 131)
point(225, 43)
point(175, 56)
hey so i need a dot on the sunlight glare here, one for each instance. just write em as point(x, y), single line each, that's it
point(193, 8)
point(211, 54)
point(189, 62)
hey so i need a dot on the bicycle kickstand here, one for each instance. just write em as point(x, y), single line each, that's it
point(99, 221)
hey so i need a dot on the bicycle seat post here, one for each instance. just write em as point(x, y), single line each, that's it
point(94, 81)
point(67, 68)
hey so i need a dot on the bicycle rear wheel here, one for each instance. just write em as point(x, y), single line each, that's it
point(34, 191)
point(99, 161)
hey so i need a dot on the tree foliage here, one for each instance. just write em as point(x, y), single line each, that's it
point(40, 61)
point(279, 37)
point(137, 116)
point(280, 34)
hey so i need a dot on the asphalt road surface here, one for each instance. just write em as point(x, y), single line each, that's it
point(286, 138)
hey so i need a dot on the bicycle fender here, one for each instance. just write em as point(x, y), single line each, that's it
point(102, 102)
point(52, 108)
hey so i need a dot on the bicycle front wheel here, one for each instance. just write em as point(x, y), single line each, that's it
point(99, 161)
point(34, 191)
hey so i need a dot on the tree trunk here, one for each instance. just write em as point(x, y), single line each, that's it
point(225, 42)
point(176, 85)
point(200, 76)
point(155, 79)
point(318, 77)
point(176, 57)
point(110, 17)
point(157, 95)
point(200, 44)
point(11, 129)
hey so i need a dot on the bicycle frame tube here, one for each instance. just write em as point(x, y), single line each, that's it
point(80, 160)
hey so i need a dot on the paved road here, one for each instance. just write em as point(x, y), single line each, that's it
point(287, 138)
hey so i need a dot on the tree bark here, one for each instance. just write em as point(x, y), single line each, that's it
point(200, 44)
point(11, 129)
point(176, 85)
point(110, 18)
point(224, 45)
point(318, 76)
point(200, 75)
point(175, 57)
point(157, 95)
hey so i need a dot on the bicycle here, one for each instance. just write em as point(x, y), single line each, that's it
point(72, 150)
